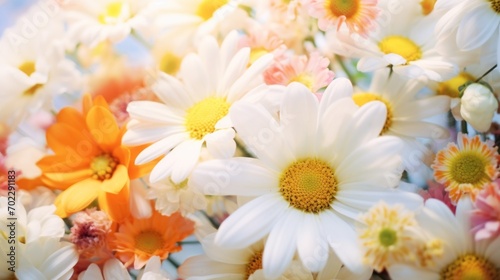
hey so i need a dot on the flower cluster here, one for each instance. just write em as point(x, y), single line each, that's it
point(251, 139)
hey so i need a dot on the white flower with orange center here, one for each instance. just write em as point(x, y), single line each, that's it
point(359, 15)
point(466, 168)
point(462, 257)
point(470, 25)
point(93, 22)
point(406, 44)
point(195, 109)
point(316, 169)
point(407, 115)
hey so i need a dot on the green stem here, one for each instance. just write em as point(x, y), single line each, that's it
point(173, 262)
point(463, 126)
point(242, 148)
point(487, 72)
point(345, 69)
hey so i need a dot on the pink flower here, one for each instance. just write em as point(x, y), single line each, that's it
point(486, 217)
point(358, 15)
point(262, 41)
point(437, 191)
point(313, 72)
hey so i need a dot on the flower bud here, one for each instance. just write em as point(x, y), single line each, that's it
point(478, 106)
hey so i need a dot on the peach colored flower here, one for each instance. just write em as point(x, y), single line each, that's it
point(486, 215)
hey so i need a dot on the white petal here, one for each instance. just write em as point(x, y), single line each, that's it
point(224, 255)
point(172, 92)
point(477, 27)
point(146, 133)
point(251, 222)
point(410, 71)
point(203, 268)
point(369, 64)
point(92, 273)
point(59, 262)
point(394, 59)
point(336, 90)
point(221, 143)
point(311, 245)
point(492, 251)
point(114, 269)
point(153, 112)
point(234, 70)
point(299, 118)
point(401, 271)
point(160, 148)
point(237, 176)
point(281, 244)
point(248, 80)
point(188, 154)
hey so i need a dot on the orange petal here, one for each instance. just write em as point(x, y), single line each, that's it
point(77, 197)
point(122, 154)
point(63, 180)
point(103, 127)
point(117, 206)
point(116, 183)
point(87, 103)
point(29, 184)
point(72, 117)
point(63, 163)
point(137, 171)
point(65, 139)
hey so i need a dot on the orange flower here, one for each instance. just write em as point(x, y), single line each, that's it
point(137, 240)
point(89, 161)
point(466, 168)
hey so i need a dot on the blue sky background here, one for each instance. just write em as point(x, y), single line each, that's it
point(10, 10)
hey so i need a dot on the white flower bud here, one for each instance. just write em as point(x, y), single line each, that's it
point(479, 105)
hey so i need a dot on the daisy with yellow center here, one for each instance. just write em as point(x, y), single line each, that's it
point(89, 161)
point(466, 168)
point(462, 257)
point(92, 23)
point(403, 42)
point(357, 15)
point(315, 170)
point(407, 116)
point(138, 240)
point(195, 108)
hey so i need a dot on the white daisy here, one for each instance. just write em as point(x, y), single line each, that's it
point(34, 72)
point(406, 44)
point(316, 169)
point(463, 258)
point(171, 197)
point(92, 22)
point(471, 25)
point(407, 114)
point(195, 108)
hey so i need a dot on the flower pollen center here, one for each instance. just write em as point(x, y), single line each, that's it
point(470, 267)
point(207, 8)
point(304, 79)
point(202, 117)
point(495, 5)
point(254, 264)
point(115, 12)
point(468, 168)
point(450, 87)
point(364, 97)
point(402, 46)
point(27, 68)
point(103, 166)
point(170, 63)
point(309, 185)
point(387, 237)
point(149, 241)
point(346, 8)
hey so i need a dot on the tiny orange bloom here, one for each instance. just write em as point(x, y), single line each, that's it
point(466, 168)
point(89, 161)
point(137, 240)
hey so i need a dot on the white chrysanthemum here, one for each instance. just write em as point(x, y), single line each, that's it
point(407, 114)
point(471, 25)
point(463, 258)
point(34, 72)
point(406, 44)
point(114, 269)
point(316, 169)
point(171, 197)
point(92, 22)
point(195, 108)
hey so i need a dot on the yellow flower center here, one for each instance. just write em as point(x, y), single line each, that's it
point(202, 116)
point(27, 68)
point(304, 79)
point(103, 166)
point(309, 185)
point(347, 8)
point(364, 97)
point(387, 237)
point(470, 267)
point(254, 264)
point(170, 63)
point(468, 168)
point(427, 6)
point(450, 87)
point(149, 241)
point(402, 46)
point(256, 53)
point(115, 12)
point(207, 8)
point(495, 5)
